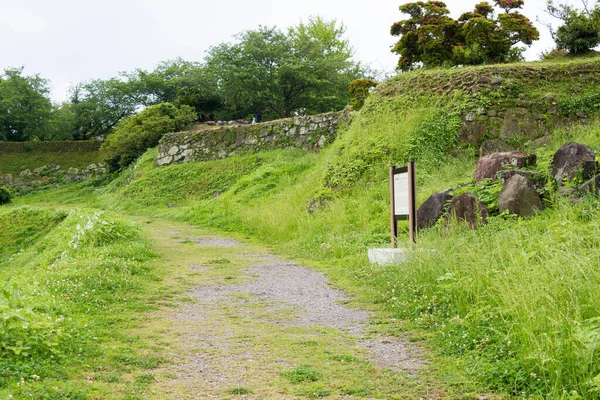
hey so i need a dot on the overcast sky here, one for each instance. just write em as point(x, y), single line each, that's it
point(68, 41)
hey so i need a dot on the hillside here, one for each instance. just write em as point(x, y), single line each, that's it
point(510, 308)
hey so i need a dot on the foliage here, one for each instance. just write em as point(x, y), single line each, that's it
point(306, 70)
point(580, 29)
point(179, 82)
point(359, 90)
point(434, 137)
point(23, 331)
point(4, 196)
point(24, 106)
point(135, 135)
point(71, 299)
point(97, 106)
point(431, 38)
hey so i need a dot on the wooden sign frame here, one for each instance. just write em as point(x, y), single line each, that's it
point(410, 193)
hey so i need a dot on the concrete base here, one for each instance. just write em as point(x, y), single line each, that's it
point(387, 256)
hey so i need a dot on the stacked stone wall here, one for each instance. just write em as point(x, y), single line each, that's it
point(213, 142)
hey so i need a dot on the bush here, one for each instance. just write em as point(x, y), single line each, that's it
point(4, 196)
point(133, 136)
point(359, 90)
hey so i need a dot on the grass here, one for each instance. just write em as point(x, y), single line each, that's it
point(75, 286)
point(13, 163)
point(511, 308)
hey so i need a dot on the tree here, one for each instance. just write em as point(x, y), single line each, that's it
point(24, 106)
point(134, 135)
point(179, 82)
point(580, 29)
point(430, 38)
point(305, 70)
point(98, 106)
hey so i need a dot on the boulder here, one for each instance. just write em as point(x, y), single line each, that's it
point(571, 159)
point(432, 209)
point(519, 197)
point(538, 180)
point(494, 146)
point(488, 166)
point(467, 207)
point(591, 186)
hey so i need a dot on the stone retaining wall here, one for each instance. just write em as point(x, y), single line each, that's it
point(212, 142)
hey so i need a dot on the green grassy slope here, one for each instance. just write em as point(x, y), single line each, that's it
point(13, 163)
point(511, 307)
point(70, 286)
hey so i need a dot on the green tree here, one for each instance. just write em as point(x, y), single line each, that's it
point(134, 135)
point(305, 70)
point(179, 82)
point(99, 105)
point(431, 38)
point(580, 29)
point(24, 106)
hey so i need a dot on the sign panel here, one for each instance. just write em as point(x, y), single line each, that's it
point(401, 194)
point(403, 200)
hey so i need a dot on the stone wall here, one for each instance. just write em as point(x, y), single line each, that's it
point(212, 142)
point(50, 175)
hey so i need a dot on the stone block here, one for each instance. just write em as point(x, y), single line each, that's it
point(387, 256)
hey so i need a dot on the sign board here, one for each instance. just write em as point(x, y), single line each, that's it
point(403, 200)
point(401, 195)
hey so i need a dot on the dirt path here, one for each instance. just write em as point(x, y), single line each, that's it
point(255, 326)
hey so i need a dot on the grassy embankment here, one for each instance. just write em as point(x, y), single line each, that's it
point(16, 157)
point(512, 307)
point(73, 283)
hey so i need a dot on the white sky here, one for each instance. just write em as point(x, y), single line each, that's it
point(68, 41)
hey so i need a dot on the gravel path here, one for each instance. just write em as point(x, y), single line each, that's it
point(268, 291)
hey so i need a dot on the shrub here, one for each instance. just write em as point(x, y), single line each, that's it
point(4, 196)
point(133, 136)
point(359, 90)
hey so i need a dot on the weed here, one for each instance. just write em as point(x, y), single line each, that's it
point(239, 390)
point(303, 373)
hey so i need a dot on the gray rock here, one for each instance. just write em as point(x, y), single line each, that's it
point(72, 171)
point(432, 209)
point(497, 80)
point(538, 180)
point(519, 197)
point(466, 207)
point(573, 159)
point(173, 150)
point(488, 166)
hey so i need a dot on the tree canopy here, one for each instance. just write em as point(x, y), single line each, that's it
point(305, 70)
point(431, 38)
point(580, 29)
point(302, 70)
point(24, 106)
